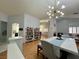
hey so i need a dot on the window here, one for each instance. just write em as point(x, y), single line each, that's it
point(70, 29)
point(74, 30)
point(77, 30)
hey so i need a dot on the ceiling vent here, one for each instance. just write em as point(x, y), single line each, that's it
point(75, 13)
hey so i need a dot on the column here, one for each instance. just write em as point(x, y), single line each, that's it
point(52, 27)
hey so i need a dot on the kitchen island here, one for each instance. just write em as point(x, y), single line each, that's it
point(14, 48)
point(65, 44)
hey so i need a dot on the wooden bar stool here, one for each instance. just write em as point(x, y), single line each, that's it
point(39, 48)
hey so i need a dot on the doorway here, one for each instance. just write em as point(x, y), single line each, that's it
point(15, 29)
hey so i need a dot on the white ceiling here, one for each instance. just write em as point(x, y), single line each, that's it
point(36, 8)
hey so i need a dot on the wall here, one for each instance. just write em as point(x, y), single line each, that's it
point(24, 21)
point(15, 19)
point(31, 21)
point(64, 23)
point(3, 17)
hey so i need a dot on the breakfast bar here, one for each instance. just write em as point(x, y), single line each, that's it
point(68, 45)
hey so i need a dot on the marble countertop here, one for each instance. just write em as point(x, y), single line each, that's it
point(15, 38)
point(67, 44)
point(14, 51)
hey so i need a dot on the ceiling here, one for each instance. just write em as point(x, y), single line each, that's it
point(36, 8)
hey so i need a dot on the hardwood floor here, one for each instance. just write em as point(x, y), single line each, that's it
point(3, 55)
point(30, 50)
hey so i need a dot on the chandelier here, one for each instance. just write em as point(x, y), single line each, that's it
point(55, 11)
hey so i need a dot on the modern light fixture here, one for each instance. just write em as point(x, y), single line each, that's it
point(55, 11)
